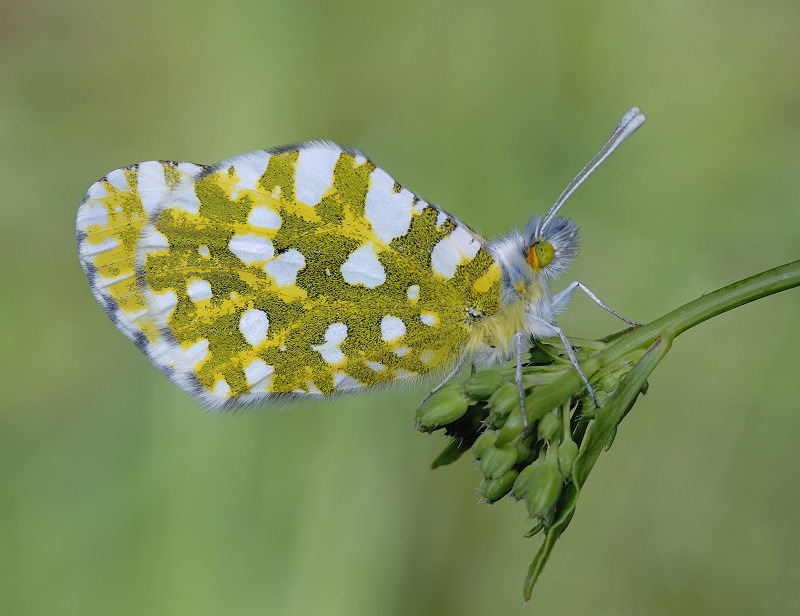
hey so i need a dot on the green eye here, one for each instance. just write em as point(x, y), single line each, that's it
point(540, 255)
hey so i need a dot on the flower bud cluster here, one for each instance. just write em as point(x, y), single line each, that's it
point(483, 414)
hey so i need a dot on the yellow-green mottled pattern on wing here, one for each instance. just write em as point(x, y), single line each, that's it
point(310, 271)
point(304, 270)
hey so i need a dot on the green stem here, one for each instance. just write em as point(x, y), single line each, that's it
point(703, 308)
point(667, 327)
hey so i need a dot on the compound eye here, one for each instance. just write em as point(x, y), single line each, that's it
point(540, 255)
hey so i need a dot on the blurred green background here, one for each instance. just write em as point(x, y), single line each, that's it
point(119, 496)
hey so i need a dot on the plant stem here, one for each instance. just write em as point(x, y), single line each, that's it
point(666, 327)
point(703, 308)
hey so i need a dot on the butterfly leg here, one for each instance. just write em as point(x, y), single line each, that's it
point(551, 329)
point(520, 352)
point(561, 299)
point(447, 379)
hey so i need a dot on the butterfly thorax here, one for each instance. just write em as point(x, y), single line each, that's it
point(491, 340)
point(527, 261)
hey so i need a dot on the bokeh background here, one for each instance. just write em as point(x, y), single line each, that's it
point(119, 496)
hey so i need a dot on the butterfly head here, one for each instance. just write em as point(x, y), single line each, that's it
point(550, 249)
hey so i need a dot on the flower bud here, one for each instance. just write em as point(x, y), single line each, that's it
point(544, 489)
point(549, 426)
point(504, 398)
point(608, 383)
point(497, 461)
point(524, 448)
point(442, 408)
point(483, 384)
point(495, 489)
point(512, 428)
point(567, 452)
point(523, 481)
point(483, 442)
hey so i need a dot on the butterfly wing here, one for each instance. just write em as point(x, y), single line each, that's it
point(306, 270)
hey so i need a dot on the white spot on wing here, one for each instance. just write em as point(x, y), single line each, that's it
point(391, 328)
point(284, 267)
point(197, 352)
point(118, 180)
point(253, 325)
point(363, 267)
point(92, 250)
point(167, 351)
point(375, 366)
point(264, 217)
point(189, 169)
point(334, 336)
point(251, 248)
point(153, 241)
point(314, 173)
point(402, 351)
point(151, 185)
point(452, 250)
point(427, 357)
point(96, 191)
point(222, 389)
point(388, 212)
point(258, 373)
point(441, 218)
point(165, 302)
point(184, 198)
point(311, 389)
point(198, 289)
point(249, 167)
point(92, 213)
point(343, 381)
point(112, 281)
point(413, 292)
point(204, 251)
point(429, 318)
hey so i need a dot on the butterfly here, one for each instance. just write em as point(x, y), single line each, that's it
point(306, 271)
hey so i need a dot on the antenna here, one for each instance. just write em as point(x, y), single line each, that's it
point(632, 120)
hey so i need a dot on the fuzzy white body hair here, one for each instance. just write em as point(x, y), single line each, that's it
point(526, 305)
